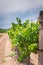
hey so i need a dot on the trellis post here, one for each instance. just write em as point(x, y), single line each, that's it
point(40, 54)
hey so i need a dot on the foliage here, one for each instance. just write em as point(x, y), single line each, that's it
point(25, 37)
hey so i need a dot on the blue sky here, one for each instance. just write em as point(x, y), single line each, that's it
point(24, 9)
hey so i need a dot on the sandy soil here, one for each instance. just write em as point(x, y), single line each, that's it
point(5, 50)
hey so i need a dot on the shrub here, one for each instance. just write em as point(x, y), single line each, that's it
point(25, 37)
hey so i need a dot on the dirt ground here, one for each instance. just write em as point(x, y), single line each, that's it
point(5, 51)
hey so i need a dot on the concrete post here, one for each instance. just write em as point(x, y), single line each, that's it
point(40, 54)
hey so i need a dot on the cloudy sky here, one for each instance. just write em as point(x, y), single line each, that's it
point(24, 9)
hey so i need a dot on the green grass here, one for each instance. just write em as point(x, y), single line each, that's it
point(3, 30)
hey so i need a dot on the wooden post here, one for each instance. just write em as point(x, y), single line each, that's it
point(40, 54)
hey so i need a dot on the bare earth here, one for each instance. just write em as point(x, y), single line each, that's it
point(5, 50)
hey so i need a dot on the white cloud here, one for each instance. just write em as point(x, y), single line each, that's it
point(7, 6)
